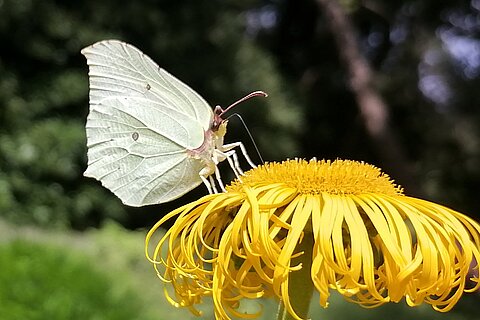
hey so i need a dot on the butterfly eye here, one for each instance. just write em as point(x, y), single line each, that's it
point(217, 119)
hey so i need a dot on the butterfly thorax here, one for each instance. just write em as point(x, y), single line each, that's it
point(213, 139)
point(210, 153)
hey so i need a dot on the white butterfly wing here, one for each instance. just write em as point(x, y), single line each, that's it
point(141, 124)
point(119, 69)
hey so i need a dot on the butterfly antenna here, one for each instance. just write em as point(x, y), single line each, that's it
point(249, 134)
point(248, 96)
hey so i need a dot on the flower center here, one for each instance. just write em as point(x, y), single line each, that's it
point(314, 177)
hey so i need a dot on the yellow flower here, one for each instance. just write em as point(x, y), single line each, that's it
point(344, 222)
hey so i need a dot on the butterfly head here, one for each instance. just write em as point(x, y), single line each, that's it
point(219, 111)
point(217, 118)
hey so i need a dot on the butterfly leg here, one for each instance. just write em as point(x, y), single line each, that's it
point(228, 147)
point(207, 172)
point(210, 169)
point(207, 184)
point(234, 156)
point(220, 155)
point(229, 151)
point(212, 183)
point(234, 164)
point(232, 159)
point(219, 179)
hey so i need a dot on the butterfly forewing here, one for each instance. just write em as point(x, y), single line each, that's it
point(141, 126)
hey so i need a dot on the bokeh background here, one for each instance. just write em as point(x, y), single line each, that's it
point(70, 250)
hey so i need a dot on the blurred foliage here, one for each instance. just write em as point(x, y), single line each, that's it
point(43, 282)
point(102, 271)
point(340, 309)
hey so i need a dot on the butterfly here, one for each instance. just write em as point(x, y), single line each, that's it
point(150, 137)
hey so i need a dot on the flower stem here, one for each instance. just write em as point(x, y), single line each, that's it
point(300, 288)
